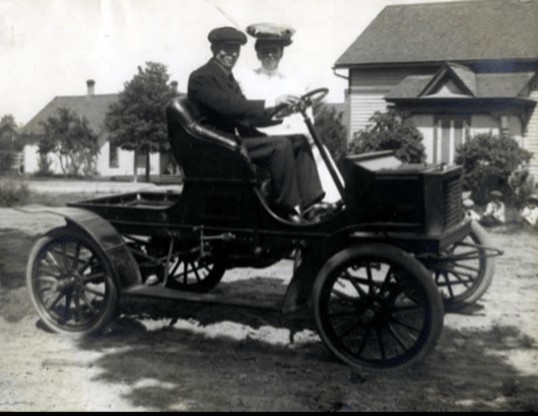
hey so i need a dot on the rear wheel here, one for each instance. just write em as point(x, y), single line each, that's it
point(71, 282)
point(464, 272)
point(194, 275)
point(376, 306)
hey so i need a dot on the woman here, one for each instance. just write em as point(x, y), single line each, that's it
point(271, 84)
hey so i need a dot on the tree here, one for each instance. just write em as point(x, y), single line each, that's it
point(71, 139)
point(10, 143)
point(137, 121)
point(488, 161)
point(390, 131)
point(331, 130)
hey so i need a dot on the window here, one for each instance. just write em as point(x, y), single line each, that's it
point(449, 133)
point(113, 159)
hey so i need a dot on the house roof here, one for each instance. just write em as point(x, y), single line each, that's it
point(92, 107)
point(505, 85)
point(456, 31)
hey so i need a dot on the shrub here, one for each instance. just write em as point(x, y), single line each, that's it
point(43, 166)
point(488, 161)
point(331, 130)
point(390, 131)
point(12, 194)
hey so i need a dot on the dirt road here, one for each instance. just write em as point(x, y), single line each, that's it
point(217, 358)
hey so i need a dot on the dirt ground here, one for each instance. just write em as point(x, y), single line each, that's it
point(218, 358)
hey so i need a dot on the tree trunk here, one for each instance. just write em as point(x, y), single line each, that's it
point(135, 167)
point(147, 166)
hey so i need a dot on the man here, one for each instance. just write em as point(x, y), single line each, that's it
point(270, 82)
point(529, 214)
point(213, 88)
point(495, 210)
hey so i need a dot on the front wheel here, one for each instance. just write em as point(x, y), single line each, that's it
point(376, 306)
point(464, 271)
point(71, 282)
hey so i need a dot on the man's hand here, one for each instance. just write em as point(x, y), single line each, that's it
point(286, 105)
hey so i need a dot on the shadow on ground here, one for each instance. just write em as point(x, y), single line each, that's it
point(187, 366)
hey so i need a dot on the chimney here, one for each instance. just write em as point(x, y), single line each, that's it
point(91, 87)
point(174, 84)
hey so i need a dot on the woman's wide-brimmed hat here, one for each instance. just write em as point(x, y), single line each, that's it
point(270, 32)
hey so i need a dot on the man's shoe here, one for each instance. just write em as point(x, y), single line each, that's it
point(294, 218)
point(317, 212)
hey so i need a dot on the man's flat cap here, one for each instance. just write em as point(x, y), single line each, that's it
point(270, 32)
point(227, 34)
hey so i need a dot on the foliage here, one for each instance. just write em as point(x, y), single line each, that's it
point(390, 131)
point(331, 129)
point(71, 139)
point(137, 121)
point(10, 143)
point(488, 161)
point(12, 193)
point(44, 166)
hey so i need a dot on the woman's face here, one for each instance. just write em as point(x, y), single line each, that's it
point(269, 55)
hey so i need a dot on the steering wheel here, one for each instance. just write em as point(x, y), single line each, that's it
point(314, 96)
point(305, 101)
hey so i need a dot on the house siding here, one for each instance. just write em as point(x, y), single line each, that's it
point(363, 104)
point(530, 138)
point(125, 162)
point(125, 159)
point(368, 88)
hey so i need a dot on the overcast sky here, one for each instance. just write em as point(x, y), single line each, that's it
point(50, 48)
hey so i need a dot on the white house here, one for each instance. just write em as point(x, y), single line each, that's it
point(111, 160)
point(459, 68)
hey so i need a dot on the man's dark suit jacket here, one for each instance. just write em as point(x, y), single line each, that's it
point(294, 175)
point(220, 100)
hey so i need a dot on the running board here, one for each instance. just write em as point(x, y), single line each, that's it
point(210, 298)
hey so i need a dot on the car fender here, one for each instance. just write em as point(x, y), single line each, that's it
point(105, 236)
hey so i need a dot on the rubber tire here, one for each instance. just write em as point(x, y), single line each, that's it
point(209, 282)
point(402, 259)
point(106, 314)
point(487, 268)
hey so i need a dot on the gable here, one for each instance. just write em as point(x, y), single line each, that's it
point(451, 80)
point(448, 88)
point(494, 85)
point(456, 31)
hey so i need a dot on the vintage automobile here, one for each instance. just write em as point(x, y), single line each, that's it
point(377, 272)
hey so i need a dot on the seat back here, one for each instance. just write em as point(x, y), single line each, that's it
point(201, 151)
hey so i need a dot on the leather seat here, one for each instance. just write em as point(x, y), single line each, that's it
point(206, 153)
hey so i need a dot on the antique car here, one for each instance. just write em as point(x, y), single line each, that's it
point(377, 272)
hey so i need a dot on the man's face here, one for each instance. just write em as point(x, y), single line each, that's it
point(269, 54)
point(227, 53)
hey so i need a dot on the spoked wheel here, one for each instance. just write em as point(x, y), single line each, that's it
point(464, 272)
point(194, 275)
point(71, 283)
point(376, 306)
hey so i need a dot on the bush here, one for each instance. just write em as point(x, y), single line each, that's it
point(390, 131)
point(331, 130)
point(44, 166)
point(488, 161)
point(12, 194)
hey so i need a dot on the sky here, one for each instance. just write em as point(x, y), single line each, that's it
point(50, 48)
